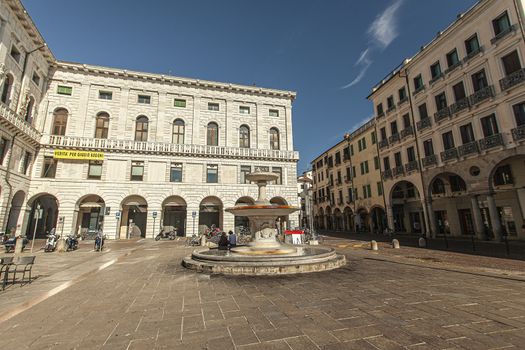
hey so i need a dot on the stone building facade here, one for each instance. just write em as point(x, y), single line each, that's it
point(347, 188)
point(131, 152)
point(450, 124)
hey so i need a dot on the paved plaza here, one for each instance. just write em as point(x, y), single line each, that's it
point(138, 296)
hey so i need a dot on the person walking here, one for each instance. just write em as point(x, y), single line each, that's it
point(232, 238)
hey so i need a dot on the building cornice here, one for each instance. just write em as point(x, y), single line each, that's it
point(169, 79)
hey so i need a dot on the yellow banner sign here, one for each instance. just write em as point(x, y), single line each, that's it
point(84, 155)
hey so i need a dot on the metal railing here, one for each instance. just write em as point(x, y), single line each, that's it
point(513, 79)
point(443, 113)
point(409, 130)
point(429, 160)
point(459, 105)
point(394, 138)
point(481, 95)
point(169, 148)
point(411, 166)
point(383, 143)
point(449, 154)
point(468, 148)
point(398, 170)
point(424, 123)
point(491, 141)
point(518, 133)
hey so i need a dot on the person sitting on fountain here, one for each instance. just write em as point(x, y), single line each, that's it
point(232, 238)
point(223, 242)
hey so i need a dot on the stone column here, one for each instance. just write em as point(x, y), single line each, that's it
point(494, 217)
point(521, 200)
point(426, 229)
point(431, 220)
point(390, 216)
point(478, 221)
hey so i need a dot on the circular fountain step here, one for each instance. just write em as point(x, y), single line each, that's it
point(305, 259)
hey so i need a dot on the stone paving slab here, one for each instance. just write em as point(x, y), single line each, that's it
point(147, 300)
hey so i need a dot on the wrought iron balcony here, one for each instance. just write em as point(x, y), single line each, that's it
point(449, 154)
point(383, 143)
point(481, 95)
point(418, 90)
point(468, 148)
point(387, 174)
point(409, 130)
point(17, 121)
point(400, 102)
point(443, 113)
point(518, 133)
point(510, 29)
point(491, 141)
point(459, 106)
point(411, 166)
point(473, 54)
point(424, 123)
point(430, 160)
point(513, 79)
point(453, 67)
point(394, 138)
point(131, 146)
point(398, 170)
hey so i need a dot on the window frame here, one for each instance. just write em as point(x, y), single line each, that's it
point(93, 164)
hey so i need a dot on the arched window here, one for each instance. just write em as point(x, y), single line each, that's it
point(29, 109)
point(274, 138)
point(141, 128)
point(244, 136)
point(59, 122)
point(438, 187)
point(6, 89)
point(178, 131)
point(212, 134)
point(102, 126)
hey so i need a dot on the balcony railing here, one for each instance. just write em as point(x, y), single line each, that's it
point(473, 54)
point(481, 95)
point(491, 141)
point(518, 133)
point(394, 138)
point(19, 122)
point(409, 130)
point(424, 123)
point(398, 170)
point(411, 166)
point(468, 148)
point(513, 79)
point(449, 154)
point(400, 102)
point(459, 105)
point(510, 29)
point(387, 174)
point(383, 143)
point(169, 148)
point(443, 113)
point(430, 160)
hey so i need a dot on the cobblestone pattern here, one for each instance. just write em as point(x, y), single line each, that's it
point(148, 301)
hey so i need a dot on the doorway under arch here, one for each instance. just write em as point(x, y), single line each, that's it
point(210, 213)
point(174, 213)
point(90, 217)
point(134, 218)
point(47, 205)
point(242, 222)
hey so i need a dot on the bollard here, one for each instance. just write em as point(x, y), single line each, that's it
point(373, 245)
point(19, 244)
point(203, 240)
point(422, 242)
point(395, 244)
point(61, 245)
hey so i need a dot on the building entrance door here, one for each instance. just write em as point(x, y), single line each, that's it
point(465, 221)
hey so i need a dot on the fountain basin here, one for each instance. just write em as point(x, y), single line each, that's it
point(304, 259)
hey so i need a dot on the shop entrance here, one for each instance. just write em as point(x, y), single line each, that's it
point(174, 215)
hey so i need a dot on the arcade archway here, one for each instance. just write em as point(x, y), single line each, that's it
point(210, 213)
point(90, 217)
point(407, 211)
point(242, 222)
point(174, 213)
point(134, 217)
point(47, 206)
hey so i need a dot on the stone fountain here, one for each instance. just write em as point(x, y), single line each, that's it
point(264, 255)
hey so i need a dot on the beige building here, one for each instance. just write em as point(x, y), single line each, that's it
point(347, 189)
point(450, 124)
point(87, 147)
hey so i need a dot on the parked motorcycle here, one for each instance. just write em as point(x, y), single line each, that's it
point(166, 234)
point(10, 243)
point(51, 242)
point(99, 242)
point(71, 242)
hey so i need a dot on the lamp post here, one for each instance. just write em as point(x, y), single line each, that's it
point(37, 217)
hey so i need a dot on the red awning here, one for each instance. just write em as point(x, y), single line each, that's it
point(293, 232)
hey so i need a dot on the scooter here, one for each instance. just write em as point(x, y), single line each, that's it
point(164, 234)
point(71, 242)
point(10, 243)
point(51, 243)
point(99, 242)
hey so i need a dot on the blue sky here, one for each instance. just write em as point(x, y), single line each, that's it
point(330, 52)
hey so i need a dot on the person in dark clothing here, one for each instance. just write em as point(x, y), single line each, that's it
point(223, 242)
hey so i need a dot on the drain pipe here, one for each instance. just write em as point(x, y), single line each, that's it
point(7, 178)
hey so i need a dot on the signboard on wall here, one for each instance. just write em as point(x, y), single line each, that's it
point(81, 155)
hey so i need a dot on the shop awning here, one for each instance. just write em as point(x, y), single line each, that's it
point(91, 205)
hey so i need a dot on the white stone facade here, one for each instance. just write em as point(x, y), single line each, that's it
point(73, 200)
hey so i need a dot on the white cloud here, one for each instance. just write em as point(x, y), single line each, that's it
point(384, 28)
point(383, 31)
